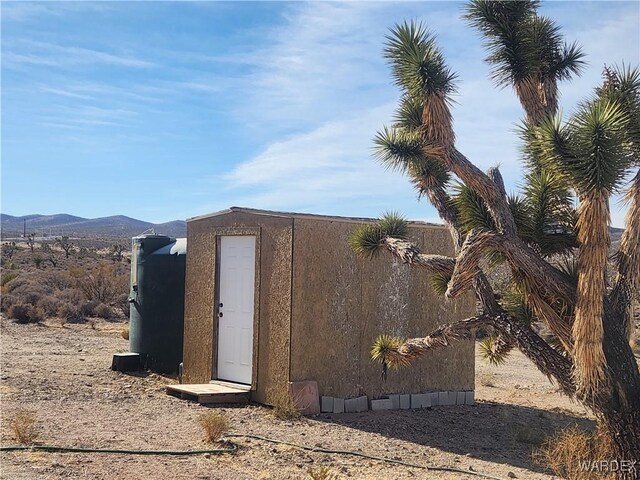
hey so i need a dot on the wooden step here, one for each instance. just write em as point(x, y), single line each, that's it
point(209, 393)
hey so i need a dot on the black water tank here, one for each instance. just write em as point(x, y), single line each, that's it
point(156, 319)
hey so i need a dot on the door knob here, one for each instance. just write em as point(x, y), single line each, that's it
point(220, 314)
point(221, 305)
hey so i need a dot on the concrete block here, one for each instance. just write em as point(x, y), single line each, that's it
point(405, 402)
point(305, 396)
point(426, 400)
point(395, 401)
point(338, 405)
point(420, 400)
point(460, 398)
point(453, 398)
point(443, 398)
point(326, 404)
point(434, 399)
point(469, 398)
point(358, 404)
point(382, 404)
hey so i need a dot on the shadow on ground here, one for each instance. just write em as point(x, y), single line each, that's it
point(494, 432)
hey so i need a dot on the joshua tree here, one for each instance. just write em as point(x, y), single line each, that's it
point(116, 252)
point(556, 255)
point(65, 244)
point(31, 241)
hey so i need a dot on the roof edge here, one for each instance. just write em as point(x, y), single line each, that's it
point(271, 213)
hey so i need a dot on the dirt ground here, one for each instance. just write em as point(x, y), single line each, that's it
point(62, 374)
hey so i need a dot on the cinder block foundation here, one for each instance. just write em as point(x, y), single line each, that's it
point(382, 404)
point(469, 398)
point(396, 402)
point(326, 404)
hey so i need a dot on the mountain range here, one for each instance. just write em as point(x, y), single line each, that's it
point(118, 226)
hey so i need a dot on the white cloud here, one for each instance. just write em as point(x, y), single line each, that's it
point(52, 55)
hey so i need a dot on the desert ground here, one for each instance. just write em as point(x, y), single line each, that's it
point(61, 373)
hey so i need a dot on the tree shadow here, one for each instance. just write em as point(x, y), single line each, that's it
point(490, 431)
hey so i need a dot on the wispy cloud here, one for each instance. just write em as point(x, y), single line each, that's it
point(53, 55)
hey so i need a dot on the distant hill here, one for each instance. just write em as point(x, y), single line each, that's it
point(118, 226)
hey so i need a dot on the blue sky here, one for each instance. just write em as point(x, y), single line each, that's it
point(168, 110)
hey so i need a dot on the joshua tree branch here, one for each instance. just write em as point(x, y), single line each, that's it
point(548, 360)
point(490, 192)
point(628, 260)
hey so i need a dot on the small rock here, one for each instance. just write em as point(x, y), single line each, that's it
point(207, 455)
point(471, 469)
point(511, 475)
point(81, 359)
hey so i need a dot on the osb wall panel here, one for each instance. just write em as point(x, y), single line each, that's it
point(341, 303)
point(198, 304)
point(274, 308)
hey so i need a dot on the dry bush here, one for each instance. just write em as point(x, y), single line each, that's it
point(70, 295)
point(88, 308)
point(49, 304)
point(103, 311)
point(24, 426)
point(125, 333)
point(284, 408)
point(56, 280)
point(70, 312)
point(214, 424)
point(12, 285)
point(122, 303)
point(321, 473)
point(6, 300)
point(103, 283)
point(7, 277)
point(564, 452)
point(25, 313)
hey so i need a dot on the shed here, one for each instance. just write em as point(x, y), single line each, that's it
point(273, 298)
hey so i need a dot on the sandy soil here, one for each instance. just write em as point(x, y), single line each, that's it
point(63, 375)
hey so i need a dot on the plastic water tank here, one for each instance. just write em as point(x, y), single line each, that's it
point(156, 319)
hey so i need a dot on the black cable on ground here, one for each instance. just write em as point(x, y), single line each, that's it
point(364, 455)
point(231, 448)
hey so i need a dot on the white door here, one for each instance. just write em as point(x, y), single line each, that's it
point(235, 308)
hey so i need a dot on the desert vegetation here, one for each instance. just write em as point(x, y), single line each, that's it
point(556, 254)
point(57, 279)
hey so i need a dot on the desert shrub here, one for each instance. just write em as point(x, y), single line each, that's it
point(566, 452)
point(24, 426)
point(7, 277)
point(284, 408)
point(49, 304)
point(70, 312)
point(122, 304)
point(103, 283)
point(71, 295)
point(12, 285)
point(88, 308)
point(103, 311)
point(6, 300)
point(214, 424)
point(25, 313)
point(321, 473)
point(56, 280)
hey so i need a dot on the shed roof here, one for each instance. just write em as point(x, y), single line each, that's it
point(332, 218)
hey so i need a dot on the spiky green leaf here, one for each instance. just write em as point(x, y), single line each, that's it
point(418, 65)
